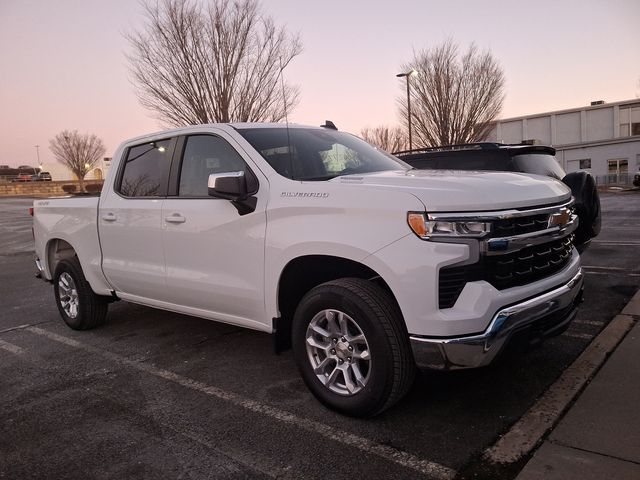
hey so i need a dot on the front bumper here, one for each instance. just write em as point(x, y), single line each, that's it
point(546, 314)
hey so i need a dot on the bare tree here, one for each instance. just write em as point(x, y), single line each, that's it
point(77, 151)
point(219, 62)
point(389, 139)
point(453, 98)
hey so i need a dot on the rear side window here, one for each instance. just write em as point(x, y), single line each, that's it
point(146, 169)
point(461, 160)
point(204, 155)
point(539, 164)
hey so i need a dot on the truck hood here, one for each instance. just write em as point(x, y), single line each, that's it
point(457, 191)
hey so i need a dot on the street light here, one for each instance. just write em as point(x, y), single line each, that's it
point(407, 75)
point(38, 155)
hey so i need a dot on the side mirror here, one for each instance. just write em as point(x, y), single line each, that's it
point(228, 185)
point(237, 187)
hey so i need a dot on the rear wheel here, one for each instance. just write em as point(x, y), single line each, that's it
point(352, 348)
point(79, 306)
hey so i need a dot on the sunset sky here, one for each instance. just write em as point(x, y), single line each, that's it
point(63, 66)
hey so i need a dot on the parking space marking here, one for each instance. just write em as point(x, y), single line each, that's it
point(527, 432)
point(595, 267)
point(614, 243)
point(22, 327)
point(581, 336)
point(10, 347)
point(399, 457)
point(614, 273)
point(588, 322)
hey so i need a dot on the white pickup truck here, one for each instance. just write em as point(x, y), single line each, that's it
point(365, 266)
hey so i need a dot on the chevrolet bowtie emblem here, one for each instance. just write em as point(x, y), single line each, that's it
point(560, 218)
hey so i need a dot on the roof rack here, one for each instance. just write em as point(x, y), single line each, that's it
point(461, 146)
point(474, 146)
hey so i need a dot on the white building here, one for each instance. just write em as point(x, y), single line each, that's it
point(603, 138)
point(60, 172)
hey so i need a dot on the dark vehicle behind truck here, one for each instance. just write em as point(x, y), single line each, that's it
point(524, 158)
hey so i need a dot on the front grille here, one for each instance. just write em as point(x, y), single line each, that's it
point(529, 264)
point(505, 271)
point(518, 226)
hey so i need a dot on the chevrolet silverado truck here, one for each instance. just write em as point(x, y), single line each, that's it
point(366, 267)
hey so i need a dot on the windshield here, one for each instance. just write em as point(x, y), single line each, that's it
point(318, 154)
point(539, 164)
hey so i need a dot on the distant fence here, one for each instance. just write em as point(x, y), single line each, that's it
point(620, 179)
point(43, 189)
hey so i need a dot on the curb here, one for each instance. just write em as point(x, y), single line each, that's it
point(527, 432)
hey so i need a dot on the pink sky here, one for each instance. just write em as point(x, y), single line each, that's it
point(63, 67)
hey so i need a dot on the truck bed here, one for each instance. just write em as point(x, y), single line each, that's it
point(73, 221)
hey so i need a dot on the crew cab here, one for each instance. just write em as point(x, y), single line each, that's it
point(365, 266)
point(525, 158)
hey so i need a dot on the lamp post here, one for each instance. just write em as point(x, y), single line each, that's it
point(38, 155)
point(407, 75)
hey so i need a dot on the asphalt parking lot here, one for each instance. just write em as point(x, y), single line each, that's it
point(153, 394)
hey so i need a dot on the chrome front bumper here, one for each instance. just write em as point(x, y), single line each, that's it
point(546, 314)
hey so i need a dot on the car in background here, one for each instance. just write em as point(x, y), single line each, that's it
point(22, 177)
point(41, 177)
point(524, 158)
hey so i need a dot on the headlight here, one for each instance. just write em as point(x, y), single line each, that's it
point(426, 228)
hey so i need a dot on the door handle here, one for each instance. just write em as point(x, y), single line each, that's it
point(175, 218)
point(109, 217)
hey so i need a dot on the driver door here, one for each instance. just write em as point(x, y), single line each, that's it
point(214, 255)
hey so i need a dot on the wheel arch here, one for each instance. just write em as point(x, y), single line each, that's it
point(59, 247)
point(56, 250)
point(303, 273)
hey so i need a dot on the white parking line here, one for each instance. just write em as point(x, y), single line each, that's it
point(622, 244)
point(399, 457)
point(613, 273)
point(525, 434)
point(588, 322)
point(582, 336)
point(595, 267)
point(22, 327)
point(10, 347)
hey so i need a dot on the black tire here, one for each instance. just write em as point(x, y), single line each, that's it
point(391, 369)
point(91, 308)
point(585, 192)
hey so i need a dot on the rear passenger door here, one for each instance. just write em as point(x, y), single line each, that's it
point(130, 221)
point(214, 256)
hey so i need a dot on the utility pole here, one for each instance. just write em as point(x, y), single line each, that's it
point(38, 155)
point(407, 75)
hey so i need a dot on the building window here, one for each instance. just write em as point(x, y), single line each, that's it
point(584, 164)
point(618, 171)
point(630, 120)
point(619, 166)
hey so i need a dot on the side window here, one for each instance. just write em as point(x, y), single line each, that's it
point(204, 155)
point(146, 169)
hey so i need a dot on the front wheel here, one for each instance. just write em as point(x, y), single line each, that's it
point(79, 306)
point(352, 348)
